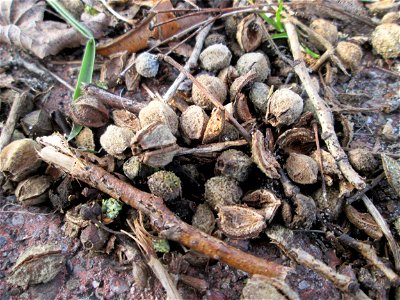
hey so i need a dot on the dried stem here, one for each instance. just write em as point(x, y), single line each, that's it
point(112, 100)
point(18, 109)
point(369, 253)
point(211, 148)
point(320, 163)
point(191, 63)
point(169, 226)
point(209, 96)
point(369, 187)
point(115, 14)
point(283, 238)
point(380, 221)
point(324, 114)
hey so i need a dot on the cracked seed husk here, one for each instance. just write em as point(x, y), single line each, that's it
point(284, 108)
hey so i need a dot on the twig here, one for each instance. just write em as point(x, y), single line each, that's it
point(369, 187)
point(283, 238)
point(211, 148)
point(169, 226)
point(324, 115)
point(143, 240)
point(209, 96)
point(394, 247)
point(112, 100)
point(320, 164)
point(115, 14)
point(20, 106)
point(191, 63)
point(368, 252)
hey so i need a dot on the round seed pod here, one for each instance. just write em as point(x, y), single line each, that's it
point(391, 17)
point(193, 122)
point(214, 85)
point(89, 111)
point(284, 108)
point(386, 40)
point(302, 169)
point(258, 287)
point(350, 54)
point(34, 190)
point(203, 218)
point(222, 190)
point(134, 168)
point(215, 38)
point(160, 112)
point(19, 159)
point(215, 57)
point(147, 65)
point(326, 29)
point(362, 160)
point(93, 238)
point(115, 140)
point(165, 184)
point(259, 96)
point(235, 164)
point(254, 61)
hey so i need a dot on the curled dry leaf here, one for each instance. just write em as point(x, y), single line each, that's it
point(364, 222)
point(250, 32)
point(21, 24)
point(265, 199)
point(392, 172)
point(111, 69)
point(241, 108)
point(39, 264)
point(263, 157)
point(298, 140)
point(215, 126)
point(240, 222)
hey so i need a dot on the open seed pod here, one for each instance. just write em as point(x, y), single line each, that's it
point(250, 32)
point(263, 157)
point(19, 159)
point(89, 111)
point(265, 199)
point(364, 222)
point(33, 190)
point(302, 215)
point(124, 118)
point(298, 140)
point(215, 126)
point(240, 222)
point(329, 166)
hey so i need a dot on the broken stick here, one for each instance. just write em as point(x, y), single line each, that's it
point(322, 111)
point(57, 153)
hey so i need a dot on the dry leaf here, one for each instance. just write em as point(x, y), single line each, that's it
point(263, 157)
point(22, 25)
point(364, 222)
point(111, 69)
point(392, 172)
point(215, 126)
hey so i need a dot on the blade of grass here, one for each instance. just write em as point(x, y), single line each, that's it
point(70, 19)
point(279, 36)
point(310, 52)
point(278, 17)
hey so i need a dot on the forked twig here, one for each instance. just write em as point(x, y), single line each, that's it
point(57, 152)
point(324, 115)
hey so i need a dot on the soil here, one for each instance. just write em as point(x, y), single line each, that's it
point(89, 274)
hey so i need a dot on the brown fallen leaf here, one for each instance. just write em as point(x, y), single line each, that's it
point(138, 38)
point(22, 25)
point(364, 222)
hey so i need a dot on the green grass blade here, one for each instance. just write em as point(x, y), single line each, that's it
point(279, 36)
point(310, 52)
point(278, 17)
point(86, 72)
point(269, 20)
point(70, 18)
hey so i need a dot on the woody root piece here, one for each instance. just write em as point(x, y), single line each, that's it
point(57, 152)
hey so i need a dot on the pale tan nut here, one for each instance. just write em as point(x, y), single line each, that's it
point(350, 54)
point(254, 61)
point(165, 185)
point(235, 164)
point(259, 96)
point(152, 136)
point(193, 122)
point(147, 64)
point(19, 159)
point(221, 191)
point(89, 111)
point(215, 57)
point(391, 17)
point(326, 29)
point(386, 40)
point(284, 108)
point(33, 190)
point(363, 161)
point(240, 222)
point(116, 140)
point(203, 218)
point(214, 85)
point(301, 168)
point(157, 111)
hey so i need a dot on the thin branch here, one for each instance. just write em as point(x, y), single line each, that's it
point(324, 114)
point(115, 14)
point(369, 187)
point(56, 152)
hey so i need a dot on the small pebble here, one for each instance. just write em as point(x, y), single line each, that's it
point(147, 65)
